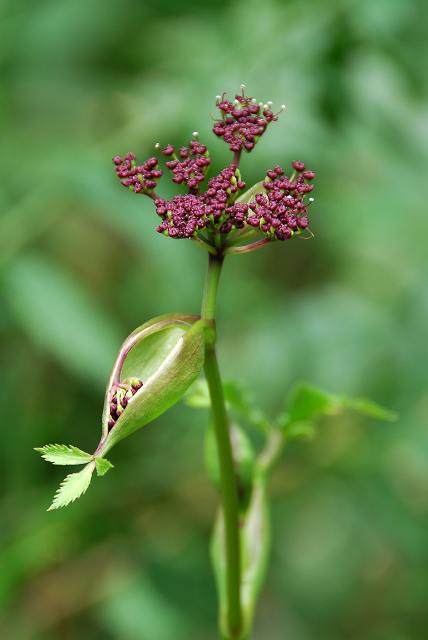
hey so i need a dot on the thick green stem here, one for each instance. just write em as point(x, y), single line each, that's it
point(215, 263)
point(229, 496)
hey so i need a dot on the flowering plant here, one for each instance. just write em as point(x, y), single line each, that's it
point(159, 362)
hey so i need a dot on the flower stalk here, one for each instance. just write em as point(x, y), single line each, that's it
point(228, 488)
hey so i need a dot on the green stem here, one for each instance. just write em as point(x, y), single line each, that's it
point(215, 263)
point(229, 496)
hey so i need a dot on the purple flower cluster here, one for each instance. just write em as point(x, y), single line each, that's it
point(138, 178)
point(222, 190)
point(281, 210)
point(120, 395)
point(243, 121)
point(189, 166)
point(184, 216)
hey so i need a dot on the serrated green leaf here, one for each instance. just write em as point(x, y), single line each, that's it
point(102, 465)
point(63, 454)
point(72, 487)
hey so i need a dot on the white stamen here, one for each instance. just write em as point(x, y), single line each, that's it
point(311, 199)
point(269, 103)
point(236, 102)
point(195, 134)
point(265, 106)
point(218, 97)
point(283, 107)
point(243, 86)
point(157, 145)
point(260, 104)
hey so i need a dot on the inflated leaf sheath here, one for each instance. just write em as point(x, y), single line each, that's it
point(167, 355)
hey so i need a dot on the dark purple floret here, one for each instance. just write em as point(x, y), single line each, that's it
point(282, 211)
point(185, 215)
point(298, 165)
point(190, 165)
point(138, 178)
point(242, 122)
point(222, 191)
point(182, 216)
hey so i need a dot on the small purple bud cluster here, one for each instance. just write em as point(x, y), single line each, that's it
point(222, 190)
point(281, 211)
point(138, 178)
point(189, 166)
point(184, 216)
point(243, 122)
point(120, 395)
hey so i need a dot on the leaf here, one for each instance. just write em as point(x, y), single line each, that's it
point(166, 354)
point(255, 545)
point(236, 397)
point(255, 548)
point(198, 396)
point(369, 408)
point(251, 193)
point(63, 454)
point(72, 487)
point(303, 430)
point(102, 465)
point(307, 403)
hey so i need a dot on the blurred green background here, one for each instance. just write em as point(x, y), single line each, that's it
point(80, 267)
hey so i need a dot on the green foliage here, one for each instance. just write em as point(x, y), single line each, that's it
point(255, 544)
point(307, 403)
point(63, 454)
point(255, 550)
point(368, 408)
point(238, 399)
point(102, 465)
point(72, 487)
point(75, 484)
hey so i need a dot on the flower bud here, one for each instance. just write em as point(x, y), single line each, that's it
point(155, 366)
